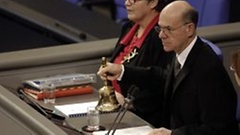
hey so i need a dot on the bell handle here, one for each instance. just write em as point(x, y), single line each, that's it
point(104, 64)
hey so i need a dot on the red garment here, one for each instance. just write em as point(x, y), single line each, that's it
point(131, 41)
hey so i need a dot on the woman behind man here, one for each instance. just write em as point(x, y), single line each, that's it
point(139, 45)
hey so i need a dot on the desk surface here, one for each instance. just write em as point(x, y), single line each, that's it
point(129, 120)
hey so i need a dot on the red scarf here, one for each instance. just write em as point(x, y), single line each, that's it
point(131, 41)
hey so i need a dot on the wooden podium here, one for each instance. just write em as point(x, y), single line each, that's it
point(106, 119)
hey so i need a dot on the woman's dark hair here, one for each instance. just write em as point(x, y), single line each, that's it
point(161, 4)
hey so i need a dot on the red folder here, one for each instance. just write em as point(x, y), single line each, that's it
point(62, 92)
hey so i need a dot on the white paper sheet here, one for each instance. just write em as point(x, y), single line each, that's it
point(74, 110)
point(142, 130)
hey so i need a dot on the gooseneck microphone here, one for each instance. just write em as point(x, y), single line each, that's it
point(57, 119)
point(35, 105)
point(122, 111)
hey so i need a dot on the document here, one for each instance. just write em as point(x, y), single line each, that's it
point(74, 110)
point(142, 130)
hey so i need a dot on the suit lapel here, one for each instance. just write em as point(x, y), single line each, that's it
point(117, 50)
point(169, 79)
point(182, 74)
point(119, 47)
point(191, 58)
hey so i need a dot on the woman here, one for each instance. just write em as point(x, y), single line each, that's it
point(139, 45)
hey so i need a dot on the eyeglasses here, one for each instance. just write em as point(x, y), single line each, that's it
point(168, 29)
point(132, 1)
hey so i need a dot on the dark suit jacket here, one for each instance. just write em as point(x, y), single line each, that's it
point(200, 101)
point(151, 53)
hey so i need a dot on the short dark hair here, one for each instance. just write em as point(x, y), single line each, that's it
point(191, 15)
point(161, 4)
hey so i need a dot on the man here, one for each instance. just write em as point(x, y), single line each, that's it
point(200, 99)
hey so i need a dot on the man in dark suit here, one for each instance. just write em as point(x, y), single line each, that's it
point(200, 98)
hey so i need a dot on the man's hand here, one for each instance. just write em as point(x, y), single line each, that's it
point(110, 71)
point(160, 131)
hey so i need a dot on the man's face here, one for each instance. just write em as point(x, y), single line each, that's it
point(173, 32)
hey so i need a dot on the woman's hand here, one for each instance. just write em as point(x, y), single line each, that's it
point(110, 72)
point(160, 131)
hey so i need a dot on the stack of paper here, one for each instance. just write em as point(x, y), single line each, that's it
point(62, 92)
point(74, 110)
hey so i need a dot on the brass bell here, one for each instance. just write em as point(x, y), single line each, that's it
point(107, 100)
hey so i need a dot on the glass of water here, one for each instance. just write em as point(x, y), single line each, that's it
point(48, 93)
point(93, 119)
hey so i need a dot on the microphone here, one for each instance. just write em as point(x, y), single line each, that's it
point(46, 112)
point(122, 111)
point(57, 119)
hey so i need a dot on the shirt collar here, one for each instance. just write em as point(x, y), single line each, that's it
point(129, 36)
point(183, 55)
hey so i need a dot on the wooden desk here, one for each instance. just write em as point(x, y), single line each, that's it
point(106, 120)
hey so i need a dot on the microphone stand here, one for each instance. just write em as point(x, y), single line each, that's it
point(23, 95)
point(48, 115)
point(122, 111)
